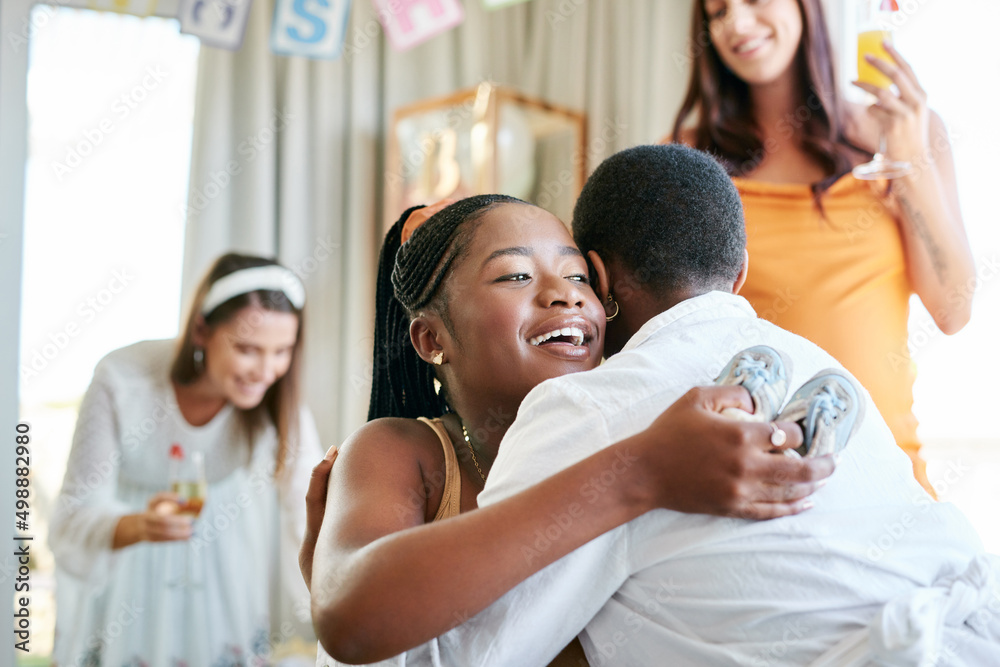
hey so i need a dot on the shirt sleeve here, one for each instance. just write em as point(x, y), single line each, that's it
point(555, 428)
point(293, 599)
point(87, 510)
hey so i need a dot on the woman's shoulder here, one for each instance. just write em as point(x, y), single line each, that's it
point(146, 361)
point(399, 456)
point(394, 438)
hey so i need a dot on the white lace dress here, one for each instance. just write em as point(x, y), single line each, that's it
point(131, 606)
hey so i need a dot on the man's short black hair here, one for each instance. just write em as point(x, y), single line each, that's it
point(668, 213)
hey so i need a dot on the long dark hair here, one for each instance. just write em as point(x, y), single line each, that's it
point(281, 401)
point(725, 124)
point(410, 278)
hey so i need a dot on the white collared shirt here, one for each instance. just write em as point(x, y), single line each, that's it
point(690, 589)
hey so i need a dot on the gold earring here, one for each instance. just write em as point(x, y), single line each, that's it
point(438, 358)
point(611, 317)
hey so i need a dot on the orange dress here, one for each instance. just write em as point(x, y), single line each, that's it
point(839, 281)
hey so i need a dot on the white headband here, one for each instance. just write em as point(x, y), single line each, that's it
point(273, 277)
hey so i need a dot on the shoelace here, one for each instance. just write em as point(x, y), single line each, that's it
point(755, 369)
point(824, 405)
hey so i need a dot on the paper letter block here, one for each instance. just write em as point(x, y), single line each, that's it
point(411, 22)
point(310, 28)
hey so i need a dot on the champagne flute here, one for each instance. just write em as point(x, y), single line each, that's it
point(187, 480)
point(874, 29)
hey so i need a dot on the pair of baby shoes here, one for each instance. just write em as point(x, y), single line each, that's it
point(829, 407)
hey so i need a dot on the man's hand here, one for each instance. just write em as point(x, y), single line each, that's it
point(315, 508)
point(706, 463)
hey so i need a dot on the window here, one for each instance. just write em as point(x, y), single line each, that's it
point(111, 104)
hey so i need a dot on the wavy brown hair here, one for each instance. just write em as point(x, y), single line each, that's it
point(280, 404)
point(725, 125)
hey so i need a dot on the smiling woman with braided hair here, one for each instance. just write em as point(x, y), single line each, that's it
point(490, 297)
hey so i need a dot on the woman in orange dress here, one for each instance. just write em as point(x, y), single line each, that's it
point(833, 258)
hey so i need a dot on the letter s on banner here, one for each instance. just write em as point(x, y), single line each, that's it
point(310, 28)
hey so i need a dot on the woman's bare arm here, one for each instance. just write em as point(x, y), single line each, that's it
point(939, 260)
point(384, 581)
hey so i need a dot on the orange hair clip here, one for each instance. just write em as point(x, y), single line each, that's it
point(420, 216)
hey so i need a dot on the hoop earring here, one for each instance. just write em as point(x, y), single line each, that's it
point(610, 318)
point(199, 360)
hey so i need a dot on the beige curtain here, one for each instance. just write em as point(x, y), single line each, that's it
point(288, 155)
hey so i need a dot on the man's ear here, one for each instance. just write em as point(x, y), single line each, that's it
point(425, 334)
point(602, 278)
point(742, 278)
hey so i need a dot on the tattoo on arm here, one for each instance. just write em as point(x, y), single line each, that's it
point(921, 229)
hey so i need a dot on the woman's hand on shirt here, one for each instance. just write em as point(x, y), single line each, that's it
point(699, 461)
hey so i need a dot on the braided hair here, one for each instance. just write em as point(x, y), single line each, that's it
point(410, 276)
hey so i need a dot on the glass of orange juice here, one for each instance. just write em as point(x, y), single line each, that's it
point(874, 30)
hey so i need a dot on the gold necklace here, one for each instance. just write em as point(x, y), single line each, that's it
point(473, 451)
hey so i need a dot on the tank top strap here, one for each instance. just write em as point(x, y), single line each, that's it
point(451, 498)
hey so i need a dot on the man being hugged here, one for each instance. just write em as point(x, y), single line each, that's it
point(663, 226)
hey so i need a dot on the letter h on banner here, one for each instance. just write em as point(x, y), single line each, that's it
point(411, 22)
point(310, 28)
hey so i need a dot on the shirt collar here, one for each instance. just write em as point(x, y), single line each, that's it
point(704, 307)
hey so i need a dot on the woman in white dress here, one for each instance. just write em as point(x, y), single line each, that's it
point(140, 580)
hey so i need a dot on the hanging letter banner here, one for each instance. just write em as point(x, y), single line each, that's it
point(497, 4)
point(310, 28)
point(218, 23)
point(135, 7)
point(410, 22)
